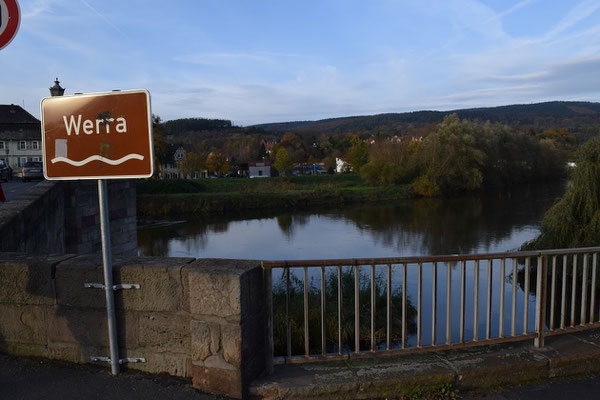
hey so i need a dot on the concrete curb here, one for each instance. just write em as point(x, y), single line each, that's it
point(473, 369)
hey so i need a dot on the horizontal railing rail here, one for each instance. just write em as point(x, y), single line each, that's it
point(364, 307)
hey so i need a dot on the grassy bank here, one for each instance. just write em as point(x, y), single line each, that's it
point(158, 199)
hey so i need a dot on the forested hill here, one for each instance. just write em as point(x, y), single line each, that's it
point(568, 114)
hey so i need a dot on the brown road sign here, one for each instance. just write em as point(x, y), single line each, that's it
point(97, 136)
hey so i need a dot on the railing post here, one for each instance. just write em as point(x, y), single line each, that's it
point(540, 305)
point(268, 279)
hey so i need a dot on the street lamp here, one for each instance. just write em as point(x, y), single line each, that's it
point(56, 90)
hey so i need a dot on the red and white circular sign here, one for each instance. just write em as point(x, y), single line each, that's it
point(10, 16)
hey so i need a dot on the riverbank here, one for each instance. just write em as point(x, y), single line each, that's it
point(159, 199)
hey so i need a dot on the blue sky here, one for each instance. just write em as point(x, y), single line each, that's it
point(268, 61)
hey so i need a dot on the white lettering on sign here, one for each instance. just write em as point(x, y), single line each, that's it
point(73, 125)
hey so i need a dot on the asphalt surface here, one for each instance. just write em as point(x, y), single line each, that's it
point(14, 188)
point(31, 379)
point(581, 389)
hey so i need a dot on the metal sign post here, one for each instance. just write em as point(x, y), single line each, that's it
point(100, 136)
point(108, 276)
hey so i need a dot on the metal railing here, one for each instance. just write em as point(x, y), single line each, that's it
point(366, 285)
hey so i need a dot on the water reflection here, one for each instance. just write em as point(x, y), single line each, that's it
point(485, 223)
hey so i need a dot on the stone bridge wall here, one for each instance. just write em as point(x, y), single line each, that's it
point(63, 217)
point(201, 319)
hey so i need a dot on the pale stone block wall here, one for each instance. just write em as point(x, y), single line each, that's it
point(203, 319)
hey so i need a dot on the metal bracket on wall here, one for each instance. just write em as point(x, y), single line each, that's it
point(115, 287)
point(121, 361)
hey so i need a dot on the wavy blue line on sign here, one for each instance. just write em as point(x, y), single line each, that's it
point(99, 158)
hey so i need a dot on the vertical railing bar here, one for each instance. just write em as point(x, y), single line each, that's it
point(593, 299)
point(306, 335)
point(526, 296)
point(563, 301)
point(584, 285)
point(268, 279)
point(488, 326)
point(389, 308)
point(463, 264)
point(448, 302)
point(552, 293)
point(573, 289)
point(540, 300)
point(419, 303)
point(287, 311)
point(373, 307)
point(340, 346)
point(356, 309)
point(323, 328)
point(404, 307)
point(476, 302)
point(433, 302)
point(502, 289)
point(513, 321)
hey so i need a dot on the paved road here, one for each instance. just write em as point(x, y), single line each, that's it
point(32, 379)
point(580, 389)
point(12, 189)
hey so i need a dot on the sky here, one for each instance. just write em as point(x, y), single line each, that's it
point(264, 61)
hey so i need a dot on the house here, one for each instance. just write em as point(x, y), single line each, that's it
point(342, 166)
point(171, 167)
point(259, 169)
point(20, 136)
point(268, 145)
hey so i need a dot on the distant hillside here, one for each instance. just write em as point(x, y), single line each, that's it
point(568, 114)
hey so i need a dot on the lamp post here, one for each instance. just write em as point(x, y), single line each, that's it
point(56, 90)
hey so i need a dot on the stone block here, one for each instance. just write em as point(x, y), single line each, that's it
point(232, 344)
point(206, 339)
point(89, 327)
point(23, 349)
point(27, 279)
point(159, 362)
point(161, 279)
point(23, 324)
point(65, 352)
point(165, 332)
point(216, 376)
point(215, 286)
point(71, 276)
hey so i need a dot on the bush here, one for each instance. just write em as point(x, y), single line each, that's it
point(383, 173)
point(425, 186)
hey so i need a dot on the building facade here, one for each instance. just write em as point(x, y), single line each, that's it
point(20, 137)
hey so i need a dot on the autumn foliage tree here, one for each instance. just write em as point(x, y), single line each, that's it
point(283, 162)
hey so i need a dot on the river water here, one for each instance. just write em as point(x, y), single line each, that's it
point(489, 222)
point(495, 221)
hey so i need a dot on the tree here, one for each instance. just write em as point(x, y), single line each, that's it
point(159, 140)
point(574, 221)
point(449, 157)
point(283, 162)
point(192, 163)
point(217, 162)
point(358, 154)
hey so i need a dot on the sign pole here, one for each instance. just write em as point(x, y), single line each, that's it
point(108, 276)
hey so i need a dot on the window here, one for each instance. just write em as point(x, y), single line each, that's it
point(2, 145)
point(22, 161)
point(22, 145)
point(35, 159)
point(34, 146)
